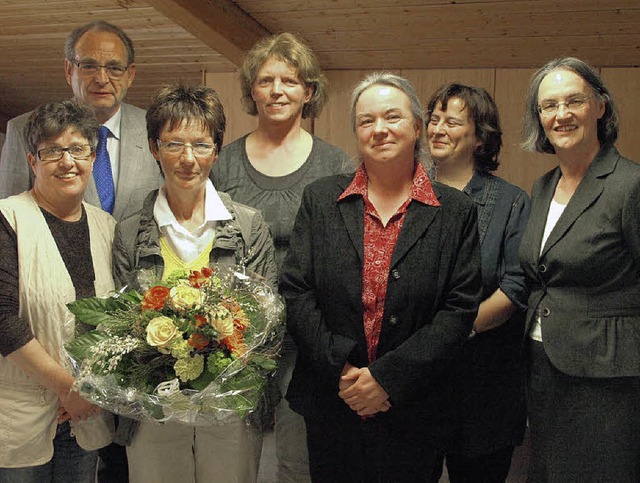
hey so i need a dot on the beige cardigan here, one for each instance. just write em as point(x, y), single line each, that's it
point(28, 410)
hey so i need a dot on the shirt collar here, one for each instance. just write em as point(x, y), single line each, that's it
point(113, 123)
point(421, 188)
point(475, 187)
point(214, 209)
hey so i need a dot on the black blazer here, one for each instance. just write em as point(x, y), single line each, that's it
point(432, 298)
point(585, 286)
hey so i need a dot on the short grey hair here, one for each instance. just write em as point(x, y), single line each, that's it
point(402, 84)
point(533, 136)
point(98, 26)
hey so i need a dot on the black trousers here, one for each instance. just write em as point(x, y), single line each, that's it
point(490, 468)
point(372, 450)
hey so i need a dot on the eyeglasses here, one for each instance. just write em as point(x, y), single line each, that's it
point(175, 148)
point(80, 152)
point(575, 104)
point(89, 68)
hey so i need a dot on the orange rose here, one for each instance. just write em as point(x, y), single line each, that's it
point(198, 341)
point(200, 278)
point(235, 343)
point(154, 298)
point(200, 320)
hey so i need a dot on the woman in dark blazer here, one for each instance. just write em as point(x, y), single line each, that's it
point(581, 257)
point(382, 282)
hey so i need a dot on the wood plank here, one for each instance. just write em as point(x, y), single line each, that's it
point(257, 7)
point(620, 51)
point(517, 166)
point(427, 81)
point(624, 85)
point(334, 123)
point(423, 23)
point(238, 121)
point(221, 25)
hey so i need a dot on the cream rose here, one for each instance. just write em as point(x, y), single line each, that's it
point(222, 321)
point(160, 332)
point(183, 298)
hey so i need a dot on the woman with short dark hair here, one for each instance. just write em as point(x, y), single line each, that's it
point(465, 137)
point(183, 226)
point(55, 248)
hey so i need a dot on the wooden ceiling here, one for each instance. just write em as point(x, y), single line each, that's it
point(182, 39)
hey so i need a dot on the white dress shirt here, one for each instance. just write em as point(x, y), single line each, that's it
point(187, 245)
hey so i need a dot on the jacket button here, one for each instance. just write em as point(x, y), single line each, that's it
point(546, 312)
point(542, 268)
point(395, 273)
point(393, 320)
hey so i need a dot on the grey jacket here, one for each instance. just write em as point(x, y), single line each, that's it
point(585, 283)
point(138, 171)
point(244, 240)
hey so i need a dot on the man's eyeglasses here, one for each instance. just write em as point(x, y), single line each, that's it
point(88, 68)
point(575, 104)
point(175, 148)
point(80, 152)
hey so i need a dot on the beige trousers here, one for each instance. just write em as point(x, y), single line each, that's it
point(178, 453)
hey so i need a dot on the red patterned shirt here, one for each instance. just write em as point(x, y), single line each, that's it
point(379, 242)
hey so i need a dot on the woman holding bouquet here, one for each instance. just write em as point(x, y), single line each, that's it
point(184, 226)
point(382, 283)
point(55, 248)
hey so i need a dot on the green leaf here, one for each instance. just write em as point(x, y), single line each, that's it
point(132, 296)
point(94, 310)
point(80, 347)
point(264, 362)
point(203, 380)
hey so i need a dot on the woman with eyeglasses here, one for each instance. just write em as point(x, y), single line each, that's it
point(55, 248)
point(581, 256)
point(186, 225)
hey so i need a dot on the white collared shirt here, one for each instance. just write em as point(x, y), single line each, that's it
point(113, 144)
point(187, 245)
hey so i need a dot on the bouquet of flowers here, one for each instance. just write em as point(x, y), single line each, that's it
point(194, 348)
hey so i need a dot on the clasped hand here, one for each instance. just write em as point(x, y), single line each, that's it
point(361, 392)
point(74, 407)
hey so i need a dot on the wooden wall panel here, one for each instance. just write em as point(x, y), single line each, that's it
point(227, 86)
point(624, 85)
point(426, 82)
point(334, 125)
point(517, 166)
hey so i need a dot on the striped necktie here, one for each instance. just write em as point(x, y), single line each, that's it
point(102, 172)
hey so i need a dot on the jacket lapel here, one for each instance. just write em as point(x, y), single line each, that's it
point(132, 145)
point(417, 219)
point(352, 211)
point(586, 194)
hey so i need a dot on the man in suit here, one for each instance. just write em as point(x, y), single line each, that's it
point(99, 67)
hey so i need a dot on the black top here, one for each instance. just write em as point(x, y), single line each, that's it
point(72, 240)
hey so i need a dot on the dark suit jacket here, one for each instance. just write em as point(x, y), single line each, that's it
point(432, 298)
point(585, 285)
point(139, 173)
